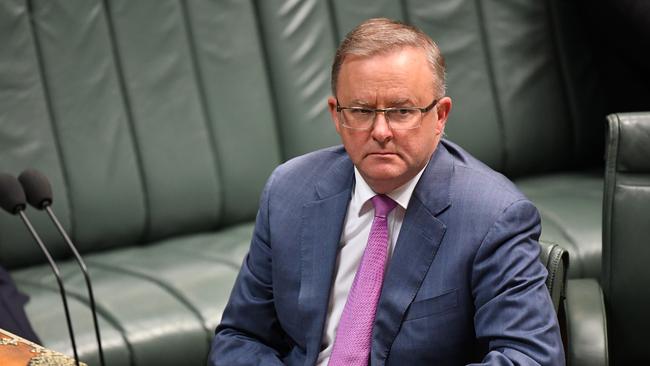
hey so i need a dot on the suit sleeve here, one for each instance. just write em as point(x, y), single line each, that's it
point(249, 332)
point(514, 314)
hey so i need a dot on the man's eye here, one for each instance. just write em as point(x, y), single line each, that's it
point(362, 111)
point(403, 112)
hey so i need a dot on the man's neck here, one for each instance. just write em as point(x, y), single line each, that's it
point(400, 193)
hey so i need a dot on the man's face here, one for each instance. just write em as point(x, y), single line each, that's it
point(387, 158)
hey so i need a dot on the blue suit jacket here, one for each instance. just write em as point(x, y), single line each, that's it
point(464, 283)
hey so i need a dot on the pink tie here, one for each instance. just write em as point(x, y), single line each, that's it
point(354, 333)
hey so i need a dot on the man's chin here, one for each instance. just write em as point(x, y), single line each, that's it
point(382, 174)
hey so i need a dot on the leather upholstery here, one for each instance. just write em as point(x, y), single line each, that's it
point(570, 204)
point(299, 44)
point(626, 210)
point(586, 324)
point(158, 122)
point(556, 260)
point(48, 319)
point(71, 42)
point(156, 325)
point(22, 144)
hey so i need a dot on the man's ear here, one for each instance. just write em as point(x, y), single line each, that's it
point(443, 107)
point(331, 105)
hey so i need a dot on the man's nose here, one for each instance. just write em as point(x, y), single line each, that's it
point(381, 130)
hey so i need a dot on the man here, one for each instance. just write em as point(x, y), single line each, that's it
point(398, 249)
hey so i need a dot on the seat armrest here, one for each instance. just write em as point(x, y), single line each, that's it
point(556, 260)
point(586, 324)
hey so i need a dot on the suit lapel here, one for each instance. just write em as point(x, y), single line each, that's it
point(322, 223)
point(419, 239)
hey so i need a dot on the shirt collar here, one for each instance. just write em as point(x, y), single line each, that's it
point(362, 193)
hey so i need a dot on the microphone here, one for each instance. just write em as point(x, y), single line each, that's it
point(12, 200)
point(39, 194)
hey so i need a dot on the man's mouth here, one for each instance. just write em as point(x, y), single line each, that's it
point(381, 153)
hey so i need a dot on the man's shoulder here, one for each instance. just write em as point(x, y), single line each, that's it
point(476, 188)
point(329, 168)
point(469, 171)
point(482, 197)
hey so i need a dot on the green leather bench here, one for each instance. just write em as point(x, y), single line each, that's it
point(158, 123)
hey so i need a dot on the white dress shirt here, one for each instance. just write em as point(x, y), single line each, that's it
point(354, 238)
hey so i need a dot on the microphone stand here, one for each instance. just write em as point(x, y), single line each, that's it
point(55, 269)
point(82, 265)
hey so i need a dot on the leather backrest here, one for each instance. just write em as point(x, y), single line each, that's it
point(27, 136)
point(151, 118)
point(158, 118)
point(520, 75)
point(299, 42)
point(238, 101)
point(626, 233)
point(92, 133)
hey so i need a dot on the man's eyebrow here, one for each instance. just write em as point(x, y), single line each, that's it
point(361, 103)
point(401, 102)
point(392, 103)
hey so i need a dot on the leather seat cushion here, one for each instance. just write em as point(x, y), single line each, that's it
point(157, 304)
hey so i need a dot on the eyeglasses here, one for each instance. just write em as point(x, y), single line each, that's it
point(399, 118)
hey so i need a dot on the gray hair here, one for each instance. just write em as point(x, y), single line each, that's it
point(382, 35)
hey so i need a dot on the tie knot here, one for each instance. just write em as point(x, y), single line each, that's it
point(383, 205)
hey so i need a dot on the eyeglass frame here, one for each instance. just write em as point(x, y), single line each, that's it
point(423, 111)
